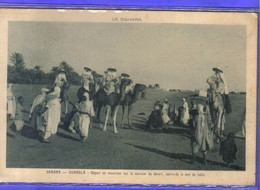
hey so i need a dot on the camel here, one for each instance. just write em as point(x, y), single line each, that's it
point(110, 102)
point(128, 99)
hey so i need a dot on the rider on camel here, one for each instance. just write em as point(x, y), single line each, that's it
point(218, 85)
point(110, 81)
point(61, 77)
point(87, 77)
point(87, 84)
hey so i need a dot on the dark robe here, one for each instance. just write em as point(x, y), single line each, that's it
point(228, 150)
point(155, 119)
point(82, 90)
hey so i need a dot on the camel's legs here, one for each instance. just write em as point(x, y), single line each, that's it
point(129, 111)
point(222, 125)
point(123, 114)
point(108, 109)
point(98, 116)
point(114, 119)
point(219, 124)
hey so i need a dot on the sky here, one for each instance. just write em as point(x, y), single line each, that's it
point(176, 56)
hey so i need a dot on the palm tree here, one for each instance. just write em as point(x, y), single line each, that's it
point(17, 60)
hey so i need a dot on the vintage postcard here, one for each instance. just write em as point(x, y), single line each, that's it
point(133, 97)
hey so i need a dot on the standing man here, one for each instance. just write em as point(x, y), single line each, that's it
point(11, 103)
point(165, 111)
point(53, 113)
point(185, 112)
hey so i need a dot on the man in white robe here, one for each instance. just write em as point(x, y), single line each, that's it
point(110, 81)
point(52, 115)
point(36, 117)
point(11, 102)
point(82, 118)
point(165, 111)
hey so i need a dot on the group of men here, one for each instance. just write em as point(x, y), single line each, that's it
point(45, 112)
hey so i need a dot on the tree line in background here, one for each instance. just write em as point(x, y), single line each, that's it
point(18, 73)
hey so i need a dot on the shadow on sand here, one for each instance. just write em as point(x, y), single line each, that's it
point(67, 136)
point(27, 131)
point(183, 157)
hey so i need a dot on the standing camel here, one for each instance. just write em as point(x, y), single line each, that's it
point(110, 102)
point(128, 99)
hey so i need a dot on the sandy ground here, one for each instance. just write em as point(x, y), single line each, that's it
point(136, 148)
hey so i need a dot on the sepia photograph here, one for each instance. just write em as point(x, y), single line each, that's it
point(114, 93)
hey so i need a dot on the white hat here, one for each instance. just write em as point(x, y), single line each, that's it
point(45, 90)
point(217, 69)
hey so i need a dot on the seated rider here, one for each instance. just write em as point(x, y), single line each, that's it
point(87, 84)
point(87, 78)
point(61, 77)
point(218, 85)
point(110, 81)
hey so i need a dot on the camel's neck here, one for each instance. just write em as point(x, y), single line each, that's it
point(134, 96)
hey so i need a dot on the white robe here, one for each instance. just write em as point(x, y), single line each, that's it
point(81, 120)
point(52, 115)
point(109, 81)
point(185, 114)
point(218, 83)
point(11, 103)
point(165, 116)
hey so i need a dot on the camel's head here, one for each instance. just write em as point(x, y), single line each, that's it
point(139, 87)
point(124, 83)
